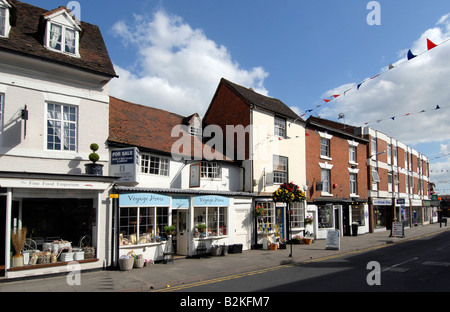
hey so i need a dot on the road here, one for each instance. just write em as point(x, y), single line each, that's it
point(420, 265)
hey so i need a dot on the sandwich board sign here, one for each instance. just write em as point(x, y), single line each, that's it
point(333, 240)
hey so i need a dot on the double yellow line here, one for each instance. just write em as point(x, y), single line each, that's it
point(222, 279)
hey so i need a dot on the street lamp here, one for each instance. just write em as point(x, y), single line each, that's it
point(376, 154)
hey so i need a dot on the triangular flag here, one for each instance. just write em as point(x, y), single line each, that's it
point(326, 100)
point(437, 107)
point(410, 55)
point(393, 118)
point(375, 76)
point(359, 85)
point(391, 66)
point(430, 44)
point(336, 95)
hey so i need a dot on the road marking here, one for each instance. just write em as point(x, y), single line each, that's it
point(436, 263)
point(399, 264)
point(339, 255)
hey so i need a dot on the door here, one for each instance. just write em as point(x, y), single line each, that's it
point(182, 233)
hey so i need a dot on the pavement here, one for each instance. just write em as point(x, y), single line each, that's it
point(183, 271)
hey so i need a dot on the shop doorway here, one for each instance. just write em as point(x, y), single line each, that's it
point(179, 219)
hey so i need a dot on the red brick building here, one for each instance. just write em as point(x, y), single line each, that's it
point(336, 175)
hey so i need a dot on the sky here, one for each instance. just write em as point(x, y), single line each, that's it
point(171, 54)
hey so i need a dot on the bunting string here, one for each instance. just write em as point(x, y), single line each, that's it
point(409, 56)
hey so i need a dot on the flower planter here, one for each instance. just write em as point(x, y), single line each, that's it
point(273, 246)
point(307, 241)
point(282, 246)
point(138, 263)
point(94, 169)
point(126, 264)
point(216, 250)
point(236, 248)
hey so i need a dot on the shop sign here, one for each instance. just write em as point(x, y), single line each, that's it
point(143, 200)
point(400, 201)
point(53, 184)
point(333, 240)
point(180, 202)
point(125, 163)
point(382, 202)
point(210, 200)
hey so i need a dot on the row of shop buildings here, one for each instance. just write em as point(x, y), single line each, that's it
point(160, 168)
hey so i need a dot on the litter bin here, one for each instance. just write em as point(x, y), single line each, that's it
point(355, 229)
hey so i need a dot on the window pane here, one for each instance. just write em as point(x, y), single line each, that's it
point(324, 147)
point(222, 220)
point(212, 221)
point(55, 36)
point(61, 127)
point(326, 216)
point(70, 41)
point(280, 127)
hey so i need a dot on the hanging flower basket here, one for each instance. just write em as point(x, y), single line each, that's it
point(288, 193)
point(308, 220)
point(260, 211)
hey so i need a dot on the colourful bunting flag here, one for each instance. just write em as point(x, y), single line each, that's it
point(410, 55)
point(430, 44)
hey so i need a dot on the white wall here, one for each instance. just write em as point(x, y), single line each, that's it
point(265, 145)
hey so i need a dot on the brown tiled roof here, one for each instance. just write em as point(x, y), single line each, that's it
point(27, 38)
point(145, 127)
point(262, 101)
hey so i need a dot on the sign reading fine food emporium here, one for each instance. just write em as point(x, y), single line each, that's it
point(125, 164)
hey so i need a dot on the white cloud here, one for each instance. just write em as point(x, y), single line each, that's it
point(177, 68)
point(411, 87)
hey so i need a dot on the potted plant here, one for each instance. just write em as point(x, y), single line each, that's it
point(260, 210)
point(308, 220)
point(94, 168)
point(169, 229)
point(201, 227)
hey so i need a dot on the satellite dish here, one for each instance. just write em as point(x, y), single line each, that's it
point(341, 115)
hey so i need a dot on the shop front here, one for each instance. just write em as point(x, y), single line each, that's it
point(381, 214)
point(201, 220)
point(61, 218)
point(277, 221)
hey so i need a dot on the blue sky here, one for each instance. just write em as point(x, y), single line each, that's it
point(171, 54)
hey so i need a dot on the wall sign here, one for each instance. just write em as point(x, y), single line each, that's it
point(143, 200)
point(125, 163)
point(180, 202)
point(210, 200)
point(194, 175)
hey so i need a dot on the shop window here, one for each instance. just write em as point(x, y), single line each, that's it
point(298, 214)
point(215, 219)
point(266, 223)
point(358, 215)
point(142, 225)
point(62, 124)
point(154, 165)
point(379, 216)
point(326, 216)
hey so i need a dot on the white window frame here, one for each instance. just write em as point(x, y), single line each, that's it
point(325, 175)
point(280, 127)
point(353, 184)
point(155, 165)
point(62, 43)
point(2, 111)
point(280, 169)
point(210, 170)
point(4, 20)
point(63, 123)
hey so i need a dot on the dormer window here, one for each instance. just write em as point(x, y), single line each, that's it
point(62, 39)
point(5, 26)
point(62, 32)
